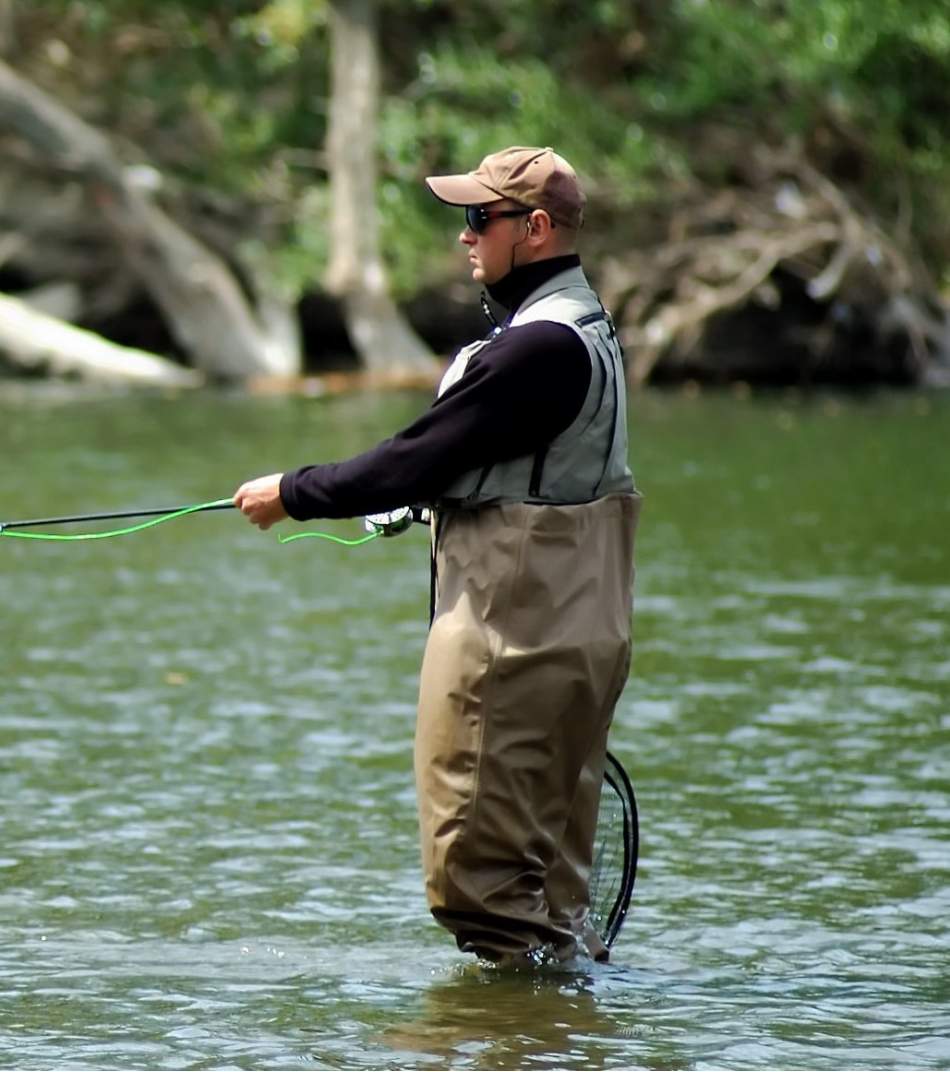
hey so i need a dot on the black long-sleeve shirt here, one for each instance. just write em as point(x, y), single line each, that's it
point(517, 393)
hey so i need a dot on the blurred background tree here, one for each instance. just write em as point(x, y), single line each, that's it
point(768, 179)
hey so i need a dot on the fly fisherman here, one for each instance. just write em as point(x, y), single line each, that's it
point(523, 459)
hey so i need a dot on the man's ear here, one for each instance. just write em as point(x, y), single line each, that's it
point(539, 224)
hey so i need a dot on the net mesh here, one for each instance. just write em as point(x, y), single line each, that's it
point(615, 852)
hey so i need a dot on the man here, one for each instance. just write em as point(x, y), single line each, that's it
point(522, 458)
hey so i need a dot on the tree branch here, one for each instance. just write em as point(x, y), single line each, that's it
point(207, 310)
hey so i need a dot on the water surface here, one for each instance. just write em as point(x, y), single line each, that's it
point(208, 850)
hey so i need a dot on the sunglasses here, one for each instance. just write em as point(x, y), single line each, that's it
point(478, 218)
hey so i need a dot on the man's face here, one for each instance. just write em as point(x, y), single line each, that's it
point(493, 253)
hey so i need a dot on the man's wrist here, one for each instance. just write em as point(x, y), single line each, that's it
point(284, 489)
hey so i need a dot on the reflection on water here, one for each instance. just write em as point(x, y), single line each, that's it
point(208, 848)
point(487, 1021)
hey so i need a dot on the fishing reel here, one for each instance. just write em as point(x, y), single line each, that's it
point(394, 522)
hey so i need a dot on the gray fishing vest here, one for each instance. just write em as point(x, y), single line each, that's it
point(588, 460)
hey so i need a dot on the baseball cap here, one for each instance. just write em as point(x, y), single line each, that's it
point(535, 177)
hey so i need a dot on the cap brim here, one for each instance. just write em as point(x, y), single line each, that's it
point(461, 190)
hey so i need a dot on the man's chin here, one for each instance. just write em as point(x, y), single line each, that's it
point(481, 276)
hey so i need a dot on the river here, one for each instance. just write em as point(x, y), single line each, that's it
point(208, 851)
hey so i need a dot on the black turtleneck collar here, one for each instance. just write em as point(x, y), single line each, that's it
point(510, 291)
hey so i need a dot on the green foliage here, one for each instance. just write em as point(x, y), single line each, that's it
point(867, 79)
point(465, 104)
point(214, 91)
point(882, 67)
point(230, 96)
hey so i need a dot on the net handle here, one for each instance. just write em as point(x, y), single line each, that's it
point(619, 781)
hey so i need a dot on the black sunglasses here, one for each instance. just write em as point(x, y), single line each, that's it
point(478, 218)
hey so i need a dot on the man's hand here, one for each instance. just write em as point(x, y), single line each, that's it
point(259, 500)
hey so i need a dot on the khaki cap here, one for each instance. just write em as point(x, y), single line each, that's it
point(536, 178)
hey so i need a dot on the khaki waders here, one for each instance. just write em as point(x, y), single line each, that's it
point(528, 653)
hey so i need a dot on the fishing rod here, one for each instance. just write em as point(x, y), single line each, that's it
point(387, 524)
point(80, 519)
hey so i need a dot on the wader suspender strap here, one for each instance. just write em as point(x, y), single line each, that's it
point(481, 481)
point(433, 566)
point(433, 586)
point(534, 487)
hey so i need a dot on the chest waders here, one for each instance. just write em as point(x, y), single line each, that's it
point(526, 658)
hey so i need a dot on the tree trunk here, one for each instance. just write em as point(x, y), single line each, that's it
point(207, 311)
point(7, 28)
point(380, 334)
point(37, 342)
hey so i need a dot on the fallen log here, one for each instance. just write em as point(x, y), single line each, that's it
point(36, 342)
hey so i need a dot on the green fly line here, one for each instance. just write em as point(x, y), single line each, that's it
point(130, 529)
point(329, 536)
